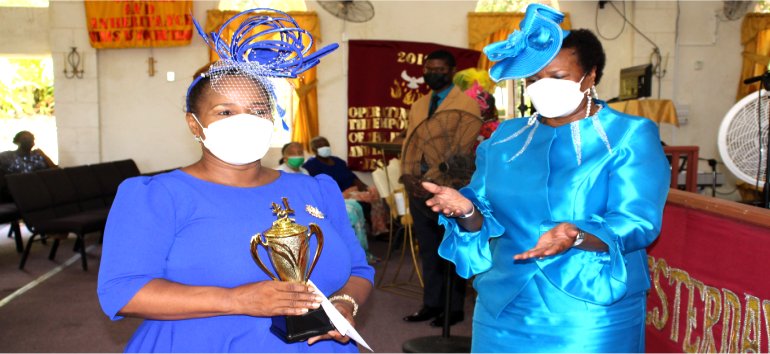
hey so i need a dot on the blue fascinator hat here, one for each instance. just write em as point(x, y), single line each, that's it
point(529, 50)
point(267, 44)
point(268, 41)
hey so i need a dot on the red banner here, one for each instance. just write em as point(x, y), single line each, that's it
point(382, 85)
point(130, 24)
point(709, 291)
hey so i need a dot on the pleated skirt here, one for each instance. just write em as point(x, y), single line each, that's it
point(545, 319)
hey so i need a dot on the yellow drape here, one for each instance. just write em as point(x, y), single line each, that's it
point(305, 122)
point(488, 27)
point(660, 111)
point(755, 37)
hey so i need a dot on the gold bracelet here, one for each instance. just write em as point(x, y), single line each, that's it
point(347, 298)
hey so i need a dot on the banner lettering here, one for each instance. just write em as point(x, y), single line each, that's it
point(384, 79)
point(709, 292)
point(130, 24)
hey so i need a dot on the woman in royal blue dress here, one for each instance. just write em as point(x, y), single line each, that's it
point(555, 221)
point(176, 247)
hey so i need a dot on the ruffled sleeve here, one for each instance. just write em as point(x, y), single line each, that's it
point(137, 239)
point(637, 188)
point(469, 251)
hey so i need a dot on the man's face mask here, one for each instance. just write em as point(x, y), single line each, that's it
point(436, 80)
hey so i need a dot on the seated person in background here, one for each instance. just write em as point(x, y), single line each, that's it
point(352, 188)
point(335, 167)
point(24, 159)
point(358, 222)
point(293, 158)
point(291, 162)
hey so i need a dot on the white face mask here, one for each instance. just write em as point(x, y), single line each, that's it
point(324, 151)
point(238, 140)
point(555, 98)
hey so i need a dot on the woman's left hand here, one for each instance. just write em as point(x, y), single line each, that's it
point(555, 241)
point(447, 200)
point(347, 311)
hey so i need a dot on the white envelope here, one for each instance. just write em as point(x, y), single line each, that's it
point(339, 321)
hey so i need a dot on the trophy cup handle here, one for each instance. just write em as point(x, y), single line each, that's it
point(255, 241)
point(314, 229)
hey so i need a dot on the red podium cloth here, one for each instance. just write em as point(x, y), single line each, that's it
point(710, 284)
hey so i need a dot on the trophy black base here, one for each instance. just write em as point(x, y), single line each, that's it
point(438, 344)
point(299, 328)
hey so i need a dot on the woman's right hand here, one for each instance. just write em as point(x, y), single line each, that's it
point(447, 200)
point(274, 298)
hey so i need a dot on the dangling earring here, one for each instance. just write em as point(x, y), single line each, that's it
point(588, 105)
point(197, 138)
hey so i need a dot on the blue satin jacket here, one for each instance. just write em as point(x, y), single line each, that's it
point(614, 188)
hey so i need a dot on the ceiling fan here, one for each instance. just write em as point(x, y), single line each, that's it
point(350, 10)
point(734, 9)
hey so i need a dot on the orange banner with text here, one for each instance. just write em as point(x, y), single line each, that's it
point(134, 24)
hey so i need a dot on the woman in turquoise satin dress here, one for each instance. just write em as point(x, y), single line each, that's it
point(555, 221)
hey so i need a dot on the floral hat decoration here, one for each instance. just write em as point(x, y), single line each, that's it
point(529, 50)
point(267, 45)
point(466, 78)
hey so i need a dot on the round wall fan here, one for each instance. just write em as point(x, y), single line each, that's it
point(350, 10)
point(735, 9)
point(742, 139)
point(442, 150)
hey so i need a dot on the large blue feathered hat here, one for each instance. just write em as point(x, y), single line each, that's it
point(267, 44)
point(253, 43)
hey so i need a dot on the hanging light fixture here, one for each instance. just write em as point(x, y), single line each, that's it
point(74, 64)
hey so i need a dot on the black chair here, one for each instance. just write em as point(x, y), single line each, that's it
point(66, 196)
point(63, 194)
point(109, 179)
point(37, 208)
point(87, 186)
point(127, 168)
point(9, 214)
point(66, 201)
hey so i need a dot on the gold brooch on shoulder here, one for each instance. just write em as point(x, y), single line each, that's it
point(314, 211)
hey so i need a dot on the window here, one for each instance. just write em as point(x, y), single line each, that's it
point(288, 100)
point(27, 102)
point(763, 6)
point(23, 3)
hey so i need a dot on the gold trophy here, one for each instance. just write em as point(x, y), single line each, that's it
point(288, 247)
